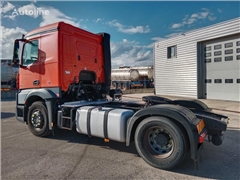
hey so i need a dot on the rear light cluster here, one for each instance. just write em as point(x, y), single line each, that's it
point(202, 137)
point(201, 131)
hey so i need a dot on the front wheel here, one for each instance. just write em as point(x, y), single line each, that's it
point(160, 142)
point(38, 119)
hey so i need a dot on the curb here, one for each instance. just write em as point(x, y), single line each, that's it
point(226, 110)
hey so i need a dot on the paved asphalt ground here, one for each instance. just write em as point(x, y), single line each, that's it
point(70, 155)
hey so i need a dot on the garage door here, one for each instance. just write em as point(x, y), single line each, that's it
point(222, 59)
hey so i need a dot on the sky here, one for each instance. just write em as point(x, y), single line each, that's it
point(134, 26)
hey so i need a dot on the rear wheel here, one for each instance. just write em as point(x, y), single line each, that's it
point(38, 119)
point(160, 142)
point(124, 86)
point(114, 85)
point(119, 86)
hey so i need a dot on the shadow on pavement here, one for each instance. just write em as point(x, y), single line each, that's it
point(216, 162)
point(5, 115)
point(8, 99)
point(75, 137)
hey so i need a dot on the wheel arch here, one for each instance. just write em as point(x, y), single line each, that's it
point(179, 115)
point(45, 95)
point(140, 119)
point(42, 93)
point(31, 94)
point(32, 99)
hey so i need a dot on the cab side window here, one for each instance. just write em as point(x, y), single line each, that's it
point(30, 52)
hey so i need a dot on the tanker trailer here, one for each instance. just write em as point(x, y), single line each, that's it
point(8, 76)
point(145, 72)
point(132, 77)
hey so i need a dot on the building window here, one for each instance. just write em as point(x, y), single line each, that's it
point(217, 81)
point(217, 46)
point(208, 48)
point(228, 80)
point(208, 60)
point(207, 54)
point(218, 59)
point(217, 53)
point(208, 81)
point(227, 45)
point(230, 51)
point(238, 43)
point(172, 51)
point(228, 58)
point(238, 50)
point(238, 80)
point(238, 57)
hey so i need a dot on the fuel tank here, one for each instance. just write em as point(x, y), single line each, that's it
point(103, 122)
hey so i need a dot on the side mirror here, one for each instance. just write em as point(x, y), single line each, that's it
point(16, 51)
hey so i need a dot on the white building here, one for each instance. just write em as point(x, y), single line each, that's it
point(204, 63)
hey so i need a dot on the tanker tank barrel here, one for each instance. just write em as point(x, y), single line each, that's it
point(132, 73)
point(7, 72)
point(125, 74)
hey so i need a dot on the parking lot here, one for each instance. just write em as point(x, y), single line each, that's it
point(70, 155)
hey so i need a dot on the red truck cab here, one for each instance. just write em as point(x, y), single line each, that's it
point(54, 55)
point(60, 62)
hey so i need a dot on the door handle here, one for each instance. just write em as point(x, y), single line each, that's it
point(36, 82)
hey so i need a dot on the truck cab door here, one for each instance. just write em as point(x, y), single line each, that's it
point(30, 66)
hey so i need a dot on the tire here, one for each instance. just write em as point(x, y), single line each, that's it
point(124, 86)
point(119, 86)
point(38, 119)
point(114, 85)
point(160, 142)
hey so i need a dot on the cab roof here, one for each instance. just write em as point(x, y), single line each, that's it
point(40, 30)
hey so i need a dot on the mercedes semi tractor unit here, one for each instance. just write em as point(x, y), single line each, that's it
point(64, 82)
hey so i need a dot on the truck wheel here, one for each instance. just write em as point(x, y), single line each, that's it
point(114, 85)
point(38, 119)
point(160, 142)
point(119, 86)
point(124, 86)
